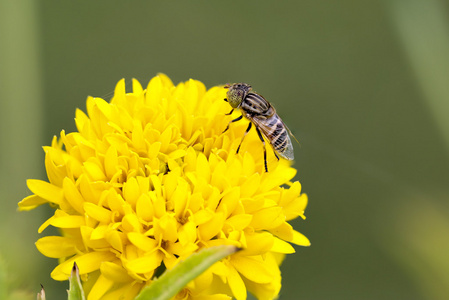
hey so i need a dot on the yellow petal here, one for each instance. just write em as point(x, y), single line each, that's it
point(166, 81)
point(283, 231)
point(154, 149)
point(268, 218)
point(211, 228)
point(291, 193)
point(177, 154)
point(137, 138)
point(239, 222)
point(154, 91)
point(73, 195)
point(115, 202)
point(213, 297)
point(299, 239)
point(254, 270)
point(167, 228)
point(94, 171)
point(236, 284)
point(31, 202)
point(87, 190)
point(120, 91)
point(68, 221)
point(131, 223)
point(296, 208)
point(202, 217)
point(142, 242)
point(165, 139)
point(279, 176)
point(99, 232)
point(131, 191)
point(116, 239)
point(55, 172)
point(229, 201)
point(127, 291)
point(158, 204)
point(179, 198)
point(187, 234)
point(81, 120)
point(87, 263)
point(99, 213)
point(257, 243)
point(56, 246)
point(181, 251)
point(111, 162)
point(251, 185)
point(202, 167)
point(101, 286)
point(46, 190)
point(145, 264)
point(280, 246)
point(45, 224)
point(114, 271)
point(144, 208)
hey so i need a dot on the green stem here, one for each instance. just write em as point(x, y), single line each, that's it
point(174, 280)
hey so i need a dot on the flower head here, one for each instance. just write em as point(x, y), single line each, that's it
point(149, 179)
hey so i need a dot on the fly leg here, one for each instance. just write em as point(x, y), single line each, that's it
point(229, 113)
point(235, 120)
point(246, 132)
point(264, 149)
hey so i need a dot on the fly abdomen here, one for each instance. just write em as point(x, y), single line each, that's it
point(279, 138)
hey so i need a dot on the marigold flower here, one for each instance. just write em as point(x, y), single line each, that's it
point(149, 179)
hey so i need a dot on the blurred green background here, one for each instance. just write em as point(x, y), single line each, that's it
point(364, 85)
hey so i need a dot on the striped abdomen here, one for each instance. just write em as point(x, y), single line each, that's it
point(276, 133)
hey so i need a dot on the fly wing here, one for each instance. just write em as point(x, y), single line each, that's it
point(276, 133)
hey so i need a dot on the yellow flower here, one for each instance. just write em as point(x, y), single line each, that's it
point(149, 179)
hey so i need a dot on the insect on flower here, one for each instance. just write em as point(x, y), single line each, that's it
point(262, 114)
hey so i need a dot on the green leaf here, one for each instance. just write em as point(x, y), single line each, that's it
point(76, 289)
point(174, 280)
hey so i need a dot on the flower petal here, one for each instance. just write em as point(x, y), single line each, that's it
point(46, 190)
point(299, 239)
point(145, 264)
point(56, 246)
point(31, 202)
point(87, 263)
point(253, 269)
point(236, 284)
